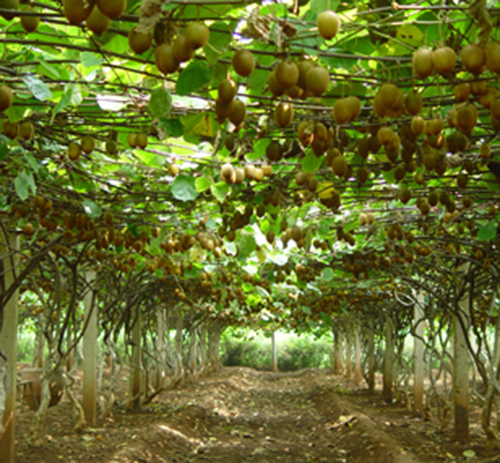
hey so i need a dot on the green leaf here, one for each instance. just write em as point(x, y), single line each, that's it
point(63, 102)
point(220, 190)
point(488, 232)
point(259, 149)
point(311, 163)
point(4, 151)
point(221, 35)
point(184, 188)
point(21, 184)
point(160, 103)
point(37, 88)
point(89, 59)
point(469, 453)
point(318, 6)
point(194, 77)
point(173, 127)
point(91, 209)
point(202, 184)
point(327, 274)
point(247, 244)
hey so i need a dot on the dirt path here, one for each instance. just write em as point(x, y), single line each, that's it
point(241, 415)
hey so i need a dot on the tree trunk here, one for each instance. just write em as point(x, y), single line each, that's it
point(90, 353)
point(8, 343)
point(371, 357)
point(419, 355)
point(357, 357)
point(160, 347)
point(388, 360)
point(461, 372)
point(338, 367)
point(135, 373)
point(214, 332)
point(39, 356)
point(348, 351)
point(274, 356)
point(178, 367)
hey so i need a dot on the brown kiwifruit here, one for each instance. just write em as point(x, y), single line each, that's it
point(495, 108)
point(417, 125)
point(165, 59)
point(238, 113)
point(388, 94)
point(444, 59)
point(430, 160)
point(378, 107)
point(339, 166)
point(227, 173)
point(87, 143)
point(26, 130)
point(317, 80)
point(132, 140)
point(363, 174)
point(462, 180)
point(355, 104)
point(138, 41)
point(486, 98)
point(283, 114)
point(98, 22)
point(142, 140)
point(77, 11)
point(74, 151)
point(304, 67)
point(111, 147)
point(6, 97)
point(467, 118)
point(226, 91)
point(473, 58)
point(181, 49)
point(197, 35)
point(363, 147)
point(478, 87)
point(422, 63)
point(399, 174)
point(274, 151)
point(342, 111)
point(385, 135)
point(10, 129)
point(328, 24)
point(493, 57)
point(30, 23)
point(112, 8)
point(413, 102)
point(273, 86)
point(9, 5)
point(286, 74)
point(223, 110)
point(294, 92)
point(433, 126)
point(462, 91)
point(243, 63)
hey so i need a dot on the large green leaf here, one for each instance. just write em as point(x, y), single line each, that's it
point(37, 88)
point(91, 209)
point(23, 183)
point(184, 188)
point(221, 35)
point(488, 232)
point(160, 103)
point(194, 77)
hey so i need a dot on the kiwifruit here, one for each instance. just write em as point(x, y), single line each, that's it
point(328, 24)
point(6, 97)
point(378, 107)
point(226, 91)
point(87, 144)
point(467, 202)
point(493, 57)
point(77, 11)
point(267, 169)
point(304, 67)
point(197, 35)
point(132, 140)
point(230, 142)
point(283, 114)
point(9, 5)
point(385, 135)
point(355, 106)
point(223, 110)
point(273, 86)
point(342, 111)
point(462, 91)
point(478, 87)
point(286, 74)
point(462, 180)
point(294, 92)
point(274, 151)
point(10, 129)
point(339, 165)
point(30, 23)
point(173, 169)
point(138, 41)
point(388, 94)
point(413, 102)
point(444, 59)
point(111, 147)
point(301, 178)
point(457, 142)
point(160, 33)
point(181, 50)
point(165, 59)
point(374, 144)
point(97, 22)
point(473, 58)
point(243, 62)
point(422, 63)
point(112, 8)
point(495, 108)
point(399, 174)
point(28, 229)
point(317, 80)
point(26, 130)
point(430, 161)
point(363, 147)
point(467, 118)
point(240, 175)
point(486, 98)
point(424, 206)
point(238, 113)
point(74, 151)
point(362, 175)
point(433, 126)
point(142, 140)
point(485, 150)
point(227, 173)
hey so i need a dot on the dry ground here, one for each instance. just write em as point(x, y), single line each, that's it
point(241, 415)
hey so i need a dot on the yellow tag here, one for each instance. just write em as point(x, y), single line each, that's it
point(326, 190)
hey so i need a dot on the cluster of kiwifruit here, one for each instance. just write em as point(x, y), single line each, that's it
point(86, 146)
point(137, 140)
point(227, 106)
point(24, 130)
point(97, 14)
point(237, 175)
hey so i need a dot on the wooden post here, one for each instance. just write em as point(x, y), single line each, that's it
point(388, 360)
point(371, 357)
point(418, 389)
point(135, 373)
point(90, 352)
point(357, 357)
point(273, 347)
point(348, 351)
point(461, 371)
point(8, 343)
point(338, 367)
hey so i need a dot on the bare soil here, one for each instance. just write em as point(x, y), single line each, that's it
point(240, 415)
